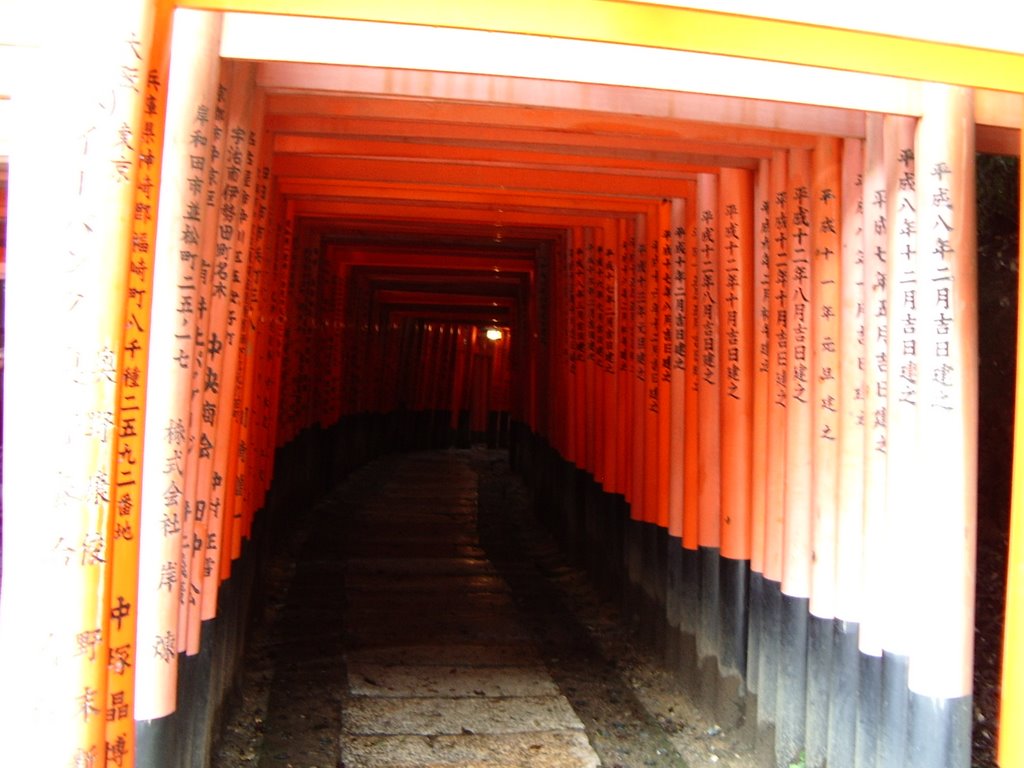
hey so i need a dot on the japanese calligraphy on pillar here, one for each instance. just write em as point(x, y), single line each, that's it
point(205, 394)
point(679, 296)
point(127, 481)
point(640, 292)
point(876, 313)
point(826, 321)
point(780, 294)
point(850, 495)
point(653, 316)
point(253, 338)
point(731, 250)
point(177, 306)
point(800, 280)
point(826, 310)
point(939, 242)
point(221, 410)
point(941, 660)
point(797, 530)
point(708, 297)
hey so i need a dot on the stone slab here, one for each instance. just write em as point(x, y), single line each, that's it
point(366, 716)
point(465, 655)
point(393, 681)
point(538, 750)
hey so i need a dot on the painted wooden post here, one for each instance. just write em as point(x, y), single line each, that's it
point(663, 361)
point(651, 256)
point(796, 560)
point(844, 691)
point(736, 353)
point(875, 409)
point(624, 361)
point(778, 357)
point(689, 619)
point(760, 442)
point(941, 665)
point(1011, 705)
point(609, 361)
point(204, 386)
point(190, 110)
point(709, 428)
point(903, 477)
point(229, 312)
point(638, 251)
point(126, 483)
point(677, 387)
point(74, 185)
point(825, 336)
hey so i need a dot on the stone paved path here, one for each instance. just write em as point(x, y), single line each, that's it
point(440, 669)
point(417, 617)
point(401, 636)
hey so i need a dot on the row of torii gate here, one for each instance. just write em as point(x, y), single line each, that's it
point(749, 310)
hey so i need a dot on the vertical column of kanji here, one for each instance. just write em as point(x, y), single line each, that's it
point(204, 384)
point(639, 320)
point(844, 691)
point(689, 619)
point(902, 476)
point(760, 440)
point(284, 409)
point(191, 100)
point(796, 561)
point(538, 347)
point(609, 360)
point(127, 485)
point(736, 339)
point(309, 302)
point(624, 362)
point(601, 413)
point(875, 408)
point(677, 357)
point(574, 368)
point(229, 310)
point(675, 350)
point(1011, 706)
point(590, 421)
point(652, 348)
point(709, 427)
point(256, 452)
point(557, 353)
point(665, 413)
point(941, 660)
point(636, 232)
point(246, 474)
point(775, 471)
point(73, 187)
point(824, 342)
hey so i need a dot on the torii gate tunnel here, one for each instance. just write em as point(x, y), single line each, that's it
point(252, 243)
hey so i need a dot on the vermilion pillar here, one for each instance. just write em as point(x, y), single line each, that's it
point(825, 203)
point(941, 659)
point(844, 691)
point(903, 479)
point(191, 111)
point(796, 539)
point(73, 192)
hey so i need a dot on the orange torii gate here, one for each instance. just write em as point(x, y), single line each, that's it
point(729, 340)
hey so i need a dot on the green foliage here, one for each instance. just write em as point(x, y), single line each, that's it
point(801, 761)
